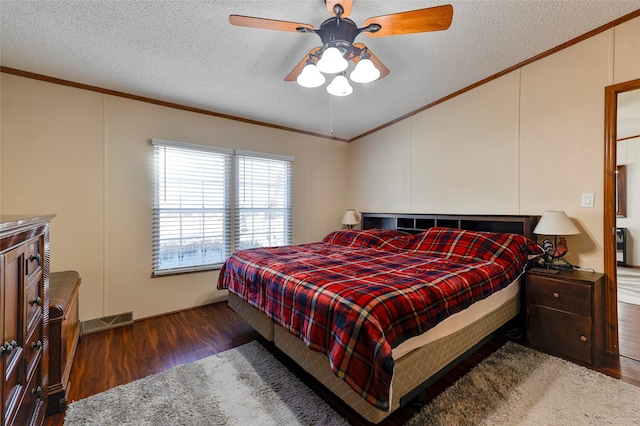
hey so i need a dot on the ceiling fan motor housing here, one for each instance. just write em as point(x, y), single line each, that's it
point(339, 33)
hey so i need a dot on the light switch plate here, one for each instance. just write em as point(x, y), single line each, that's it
point(587, 200)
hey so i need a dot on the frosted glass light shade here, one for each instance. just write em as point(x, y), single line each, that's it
point(365, 72)
point(555, 223)
point(332, 61)
point(340, 86)
point(310, 77)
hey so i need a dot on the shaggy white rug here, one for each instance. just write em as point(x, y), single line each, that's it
point(242, 386)
point(248, 386)
point(519, 386)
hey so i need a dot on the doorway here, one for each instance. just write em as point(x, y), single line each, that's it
point(628, 220)
point(628, 196)
point(622, 216)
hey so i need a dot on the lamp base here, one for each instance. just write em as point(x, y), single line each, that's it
point(559, 266)
point(558, 263)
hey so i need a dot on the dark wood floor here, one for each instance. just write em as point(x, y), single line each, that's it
point(114, 357)
point(629, 330)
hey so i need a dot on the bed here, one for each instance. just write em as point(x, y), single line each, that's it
point(377, 314)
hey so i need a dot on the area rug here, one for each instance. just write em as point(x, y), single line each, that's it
point(248, 386)
point(519, 386)
point(242, 386)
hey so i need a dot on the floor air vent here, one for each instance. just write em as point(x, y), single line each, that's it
point(106, 323)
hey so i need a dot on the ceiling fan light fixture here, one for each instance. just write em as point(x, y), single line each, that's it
point(340, 86)
point(332, 61)
point(310, 76)
point(365, 72)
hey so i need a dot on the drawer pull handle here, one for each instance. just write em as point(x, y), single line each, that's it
point(35, 257)
point(36, 345)
point(36, 301)
point(556, 295)
point(8, 347)
point(583, 338)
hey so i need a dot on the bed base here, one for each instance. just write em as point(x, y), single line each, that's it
point(413, 372)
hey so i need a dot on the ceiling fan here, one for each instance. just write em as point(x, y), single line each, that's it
point(338, 34)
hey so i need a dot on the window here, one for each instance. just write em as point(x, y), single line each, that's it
point(263, 205)
point(209, 202)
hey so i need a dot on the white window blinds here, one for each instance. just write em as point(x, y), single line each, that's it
point(202, 194)
point(191, 208)
point(263, 202)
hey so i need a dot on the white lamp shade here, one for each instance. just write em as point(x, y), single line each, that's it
point(351, 217)
point(340, 86)
point(310, 77)
point(555, 223)
point(365, 72)
point(332, 61)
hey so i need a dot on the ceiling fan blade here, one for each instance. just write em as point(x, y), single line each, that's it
point(384, 71)
point(414, 21)
point(295, 72)
point(346, 5)
point(267, 24)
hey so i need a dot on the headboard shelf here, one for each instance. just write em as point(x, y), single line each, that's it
point(523, 225)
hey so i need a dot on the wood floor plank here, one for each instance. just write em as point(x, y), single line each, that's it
point(109, 358)
point(629, 330)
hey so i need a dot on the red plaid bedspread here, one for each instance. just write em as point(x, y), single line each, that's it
point(355, 301)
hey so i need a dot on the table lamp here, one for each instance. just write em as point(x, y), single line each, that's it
point(555, 223)
point(351, 218)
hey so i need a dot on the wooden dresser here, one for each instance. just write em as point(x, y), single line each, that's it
point(565, 314)
point(24, 302)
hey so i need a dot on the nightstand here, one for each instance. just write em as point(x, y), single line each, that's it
point(565, 313)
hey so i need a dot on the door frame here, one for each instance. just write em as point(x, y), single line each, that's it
point(610, 262)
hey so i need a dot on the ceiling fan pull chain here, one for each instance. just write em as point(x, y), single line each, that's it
point(331, 114)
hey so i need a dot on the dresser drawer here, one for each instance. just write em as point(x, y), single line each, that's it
point(33, 348)
point(28, 412)
point(560, 332)
point(33, 302)
point(33, 256)
point(13, 386)
point(572, 297)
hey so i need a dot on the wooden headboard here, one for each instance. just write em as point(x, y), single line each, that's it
point(523, 225)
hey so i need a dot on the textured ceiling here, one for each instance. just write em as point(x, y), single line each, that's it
point(186, 52)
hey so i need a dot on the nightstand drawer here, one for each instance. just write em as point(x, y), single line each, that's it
point(567, 296)
point(560, 332)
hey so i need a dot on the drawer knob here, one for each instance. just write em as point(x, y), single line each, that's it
point(36, 301)
point(583, 338)
point(37, 391)
point(556, 295)
point(36, 345)
point(35, 257)
point(8, 347)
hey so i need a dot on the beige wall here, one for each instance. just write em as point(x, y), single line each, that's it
point(530, 141)
point(87, 158)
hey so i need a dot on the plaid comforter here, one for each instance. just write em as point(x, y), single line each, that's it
point(358, 294)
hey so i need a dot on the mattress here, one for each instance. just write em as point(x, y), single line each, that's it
point(459, 320)
point(263, 325)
